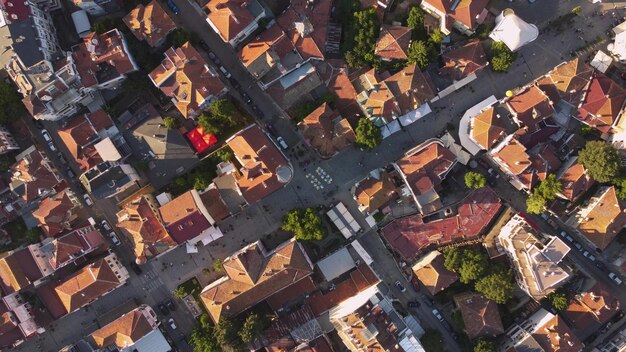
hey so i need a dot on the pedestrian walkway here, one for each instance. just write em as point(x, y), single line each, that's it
point(150, 281)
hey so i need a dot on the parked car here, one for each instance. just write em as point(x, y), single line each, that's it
point(62, 159)
point(282, 143)
point(567, 236)
point(600, 265)
point(615, 278)
point(413, 304)
point(136, 268)
point(225, 71)
point(270, 128)
point(400, 287)
point(114, 239)
point(46, 135)
point(578, 246)
point(70, 173)
point(173, 7)
point(213, 57)
point(437, 314)
point(105, 225)
point(545, 216)
point(164, 309)
point(204, 46)
point(172, 324)
point(91, 221)
point(88, 200)
point(170, 304)
point(52, 146)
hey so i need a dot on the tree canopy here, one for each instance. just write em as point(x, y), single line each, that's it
point(202, 338)
point(223, 108)
point(501, 57)
point(421, 53)
point(601, 160)
point(475, 180)
point(473, 265)
point(452, 258)
point(415, 20)
point(171, 123)
point(432, 341)
point(535, 204)
point(305, 224)
point(484, 345)
point(362, 34)
point(437, 36)
point(496, 286)
point(11, 107)
point(367, 134)
point(545, 191)
point(252, 327)
point(558, 300)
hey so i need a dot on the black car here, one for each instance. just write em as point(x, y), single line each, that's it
point(164, 309)
point(600, 265)
point(204, 45)
point(413, 304)
point(135, 268)
point(170, 304)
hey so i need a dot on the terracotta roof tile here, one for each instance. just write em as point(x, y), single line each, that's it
point(464, 61)
point(602, 102)
point(575, 181)
point(12, 277)
point(214, 204)
point(570, 79)
point(411, 88)
point(555, 336)
point(393, 42)
point(468, 12)
point(306, 25)
point(80, 134)
point(183, 218)
point(325, 131)
point(480, 315)
point(229, 17)
point(345, 103)
point(603, 219)
point(426, 167)
point(530, 107)
point(432, 273)
point(124, 331)
point(373, 193)
point(36, 174)
point(590, 310)
point(74, 245)
point(54, 214)
point(487, 128)
point(150, 23)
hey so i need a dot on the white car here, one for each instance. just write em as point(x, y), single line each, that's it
point(114, 238)
point(172, 324)
point(88, 199)
point(105, 225)
point(225, 71)
point(282, 143)
point(615, 278)
point(437, 314)
point(46, 135)
point(52, 147)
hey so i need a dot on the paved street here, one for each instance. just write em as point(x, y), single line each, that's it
point(157, 280)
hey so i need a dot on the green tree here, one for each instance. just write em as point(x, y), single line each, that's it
point(421, 53)
point(208, 124)
point(179, 185)
point(363, 42)
point(217, 265)
point(225, 154)
point(301, 110)
point(415, 20)
point(202, 337)
point(475, 180)
point(452, 258)
point(558, 300)
point(601, 160)
point(223, 109)
point(201, 182)
point(225, 333)
point(367, 134)
point(548, 188)
point(179, 37)
point(501, 57)
point(171, 123)
point(432, 341)
point(496, 286)
point(484, 345)
point(180, 292)
point(252, 327)
point(11, 108)
point(473, 265)
point(305, 224)
point(535, 204)
point(437, 36)
point(620, 187)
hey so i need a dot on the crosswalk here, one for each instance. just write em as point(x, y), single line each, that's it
point(150, 281)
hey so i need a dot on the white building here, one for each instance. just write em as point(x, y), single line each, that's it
point(7, 143)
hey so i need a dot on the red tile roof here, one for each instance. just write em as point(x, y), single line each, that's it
point(465, 60)
point(373, 193)
point(575, 181)
point(432, 273)
point(36, 174)
point(602, 102)
point(487, 128)
point(260, 160)
point(555, 336)
point(466, 11)
point(74, 245)
point(411, 88)
point(54, 214)
point(590, 310)
point(603, 219)
point(306, 25)
point(410, 235)
point(124, 331)
point(183, 218)
point(393, 42)
point(81, 133)
point(150, 23)
point(298, 290)
point(530, 107)
point(102, 53)
point(480, 315)
point(214, 204)
point(326, 131)
point(570, 78)
point(343, 89)
point(229, 17)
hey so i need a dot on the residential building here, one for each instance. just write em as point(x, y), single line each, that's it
point(326, 131)
point(252, 275)
point(234, 20)
point(269, 52)
point(103, 60)
point(575, 181)
point(111, 179)
point(31, 29)
point(81, 134)
point(150, 23)
point(542, 332)
point(137, 330)
point(73, 247)
point(481, 316)
point(263, 169)
point(33, 177)
point(423, 168)
point(91, 282)
point(464, 16)
point(602, 103)
point(7, 143)
point(375, 192)
point(345, 101)
point(410, 235)
point(600, 219)
point(617, 47)
point(186, 77)
point(487, 128)
point(98, 8)
point(432, 273)
point(569, 79)
point(524, 168)
point(384, 98)
point(187, 219)
point(306, 25)
point(530, 107)
point(368, 322)
point(393, 43)
point(590, 310)
point(141, 221)
point(615, 342)
point(19, 321)
point(295, 86)
point(463, 63)
point(538, 264)
point(56, 213)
